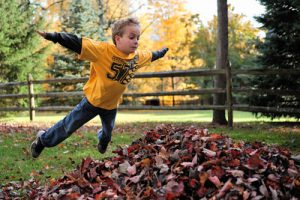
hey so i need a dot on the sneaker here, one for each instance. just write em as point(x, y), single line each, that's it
point(37, 147)
point(102, 146)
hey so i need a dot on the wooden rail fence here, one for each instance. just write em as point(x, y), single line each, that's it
point(166, 74)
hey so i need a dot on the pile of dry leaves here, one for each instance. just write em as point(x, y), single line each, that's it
point(174, 163)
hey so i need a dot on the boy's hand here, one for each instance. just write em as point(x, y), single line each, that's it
point(164, 51)
point(42, 33)
point(48, 36)
point(159, 54)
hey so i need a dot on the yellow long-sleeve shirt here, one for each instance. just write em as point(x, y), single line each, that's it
point(110, 71)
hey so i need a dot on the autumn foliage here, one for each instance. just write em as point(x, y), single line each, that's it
point(176, 163)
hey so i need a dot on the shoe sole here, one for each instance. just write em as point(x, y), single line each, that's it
point(39, 134)
point(103, 150)
point(34, 155)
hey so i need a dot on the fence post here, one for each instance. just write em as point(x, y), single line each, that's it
point(229, 96)
point(173, 85)
point(162, 89)
point(31, 97)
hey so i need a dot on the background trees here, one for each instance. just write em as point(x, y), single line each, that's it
point(279, 50)
point(242, 52)
point(21, 49)
point(164, 23)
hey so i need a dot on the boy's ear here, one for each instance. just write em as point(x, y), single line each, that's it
point(117, 38)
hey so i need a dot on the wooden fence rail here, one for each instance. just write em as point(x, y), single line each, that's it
point(166, 74)
point(166, 93)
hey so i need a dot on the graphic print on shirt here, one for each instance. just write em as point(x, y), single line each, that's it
point(123, 71)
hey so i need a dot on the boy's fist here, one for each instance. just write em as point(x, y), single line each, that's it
point(42, 33)
point(159, 54)
point(164, 51)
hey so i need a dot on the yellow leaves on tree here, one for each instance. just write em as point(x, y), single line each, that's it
point(167, 24)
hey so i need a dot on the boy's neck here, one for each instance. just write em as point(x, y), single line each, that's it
point(127, 54)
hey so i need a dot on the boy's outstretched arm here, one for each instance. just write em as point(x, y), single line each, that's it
point(159, 54)
point(67, 40)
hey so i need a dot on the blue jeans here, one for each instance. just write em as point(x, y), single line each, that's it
point(81, 114)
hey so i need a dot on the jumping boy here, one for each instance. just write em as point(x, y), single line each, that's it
point(112, 66)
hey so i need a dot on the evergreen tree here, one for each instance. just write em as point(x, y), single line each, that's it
point(280, 50)
point(20, 47)
point(80, 19)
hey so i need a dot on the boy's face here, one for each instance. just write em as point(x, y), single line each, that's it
point(128, 42)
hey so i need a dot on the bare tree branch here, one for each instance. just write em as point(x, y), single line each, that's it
point(107, 22)
point(144, 29)
point(52, 4)
point(49, 6)
point(46, 8)
point(114, 11)
point(136, 9)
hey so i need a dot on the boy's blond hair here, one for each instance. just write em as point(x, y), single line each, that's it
point(118, 26)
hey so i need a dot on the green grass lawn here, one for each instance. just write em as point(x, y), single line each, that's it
point(151, 116)
point(16, 163)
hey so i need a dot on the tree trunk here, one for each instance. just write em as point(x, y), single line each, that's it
point(222, 60)
point(103, 22)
